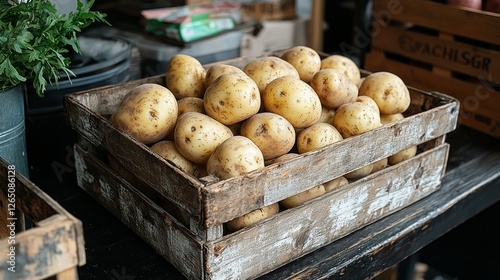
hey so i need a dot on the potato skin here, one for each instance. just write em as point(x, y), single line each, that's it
point(253, 217)
point(148, 113)
point(265, 69)
point(355, 118)
point(219, 69)
point(273, 134)
point(185, 76)
point(293, 99)
point(190, 104)
point(333, 88)
point(232, 98)
point(316, 136)
point(196, 136)
point(235, 156)
point(167, 150)
point(344, 65)
point(305, 59)
point(302, 197)
point(388, 90)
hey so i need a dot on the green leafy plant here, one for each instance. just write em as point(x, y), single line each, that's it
point(34, 39)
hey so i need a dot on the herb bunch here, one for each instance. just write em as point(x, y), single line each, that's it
point(34, 39)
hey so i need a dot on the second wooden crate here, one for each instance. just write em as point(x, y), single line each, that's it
point(439, 47)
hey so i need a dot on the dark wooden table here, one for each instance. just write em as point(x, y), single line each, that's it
point(471, 187)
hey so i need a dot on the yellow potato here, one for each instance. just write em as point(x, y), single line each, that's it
point(360, 172)
point(333, 88)
point(335, 183)
point(167, 150)
point(273, 134)
point(185, 76)
point(302, 197)
point(355, 118)
point(388, 90)
point(235, 156)
point(293, 99)
point(326, 115)
point(190, 104)
point(402, 155)
point(379, 165)
point(305, 59)
point(385, 119)
point(265, 69)
point(232, 98)
point(316, 136)
point(196, 136)
point(148, 113)
point(344, 65)
point(219, 69)
point(253, 217)
point(368, 101)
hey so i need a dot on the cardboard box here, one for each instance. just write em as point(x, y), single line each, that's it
point(183, 216)
point(275, 35)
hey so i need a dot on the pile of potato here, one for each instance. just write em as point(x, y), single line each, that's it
point(226, 121)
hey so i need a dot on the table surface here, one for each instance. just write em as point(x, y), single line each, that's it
point(470, 186)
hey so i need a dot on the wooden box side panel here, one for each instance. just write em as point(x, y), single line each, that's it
point(478, 101)
point(446, 18)
point(139, 213)
point(265, 246)
point(234, 197)
point(468, 59)
point(40, 252)
point(54, 244)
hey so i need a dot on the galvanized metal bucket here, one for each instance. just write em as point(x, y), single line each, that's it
point(12, 129)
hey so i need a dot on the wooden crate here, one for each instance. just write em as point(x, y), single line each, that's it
point(51, 246)
point(438, 47)
point(183, 217)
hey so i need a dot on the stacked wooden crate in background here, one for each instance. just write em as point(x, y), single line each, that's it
point(439, 47)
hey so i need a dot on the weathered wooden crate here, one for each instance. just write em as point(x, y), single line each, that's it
point(183, 217)
point(50, 247)
point(439, 47)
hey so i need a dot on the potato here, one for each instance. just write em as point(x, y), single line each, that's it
point(196, 136)
point(302, 197)
point(368, 101)
point(232, 98)
point(335, 183)
point(265, 69)
point(235, 156)
point(385, 119)
point(360, 172)
point(388, 90)
point(326, 115)
point(316, 136)
point(333, 88)
point(185, 76)
point(344, 65)
point(379, 165)
point(402, 155)
point(219, 69)
point(167, 150)
point(253, 217)
point(272, 133)
point(293, 99)
point(190, 104)
point(305, 59)
point(355, 118)
point(148, 113)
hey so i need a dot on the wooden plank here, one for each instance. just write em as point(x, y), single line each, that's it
point(325, 219)
point(447, 18)
point(41, 252)
point(472, 60)
point(152, 223)
point(228, 199)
